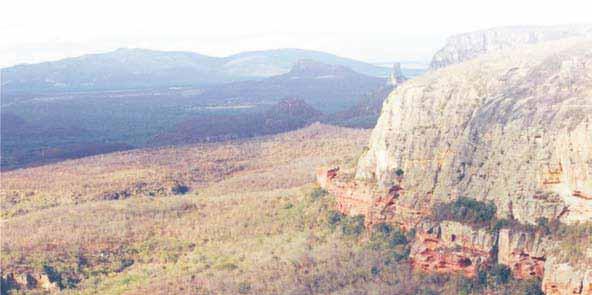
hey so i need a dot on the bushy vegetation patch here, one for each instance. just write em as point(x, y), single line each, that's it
point(348, 225)
point(318, 193)
point(393, 240)
point(466, 210)
point(497, 278)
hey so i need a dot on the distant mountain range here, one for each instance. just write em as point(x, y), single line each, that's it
point(141, 68)
point(327, 87)
point(45, 127)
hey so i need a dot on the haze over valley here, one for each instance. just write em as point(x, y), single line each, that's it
point(310, 148)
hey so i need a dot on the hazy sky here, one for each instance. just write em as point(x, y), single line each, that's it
point(33, 31)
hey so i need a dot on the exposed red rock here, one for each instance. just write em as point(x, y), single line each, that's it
point(378, 205)
point(460, 251)
point(564, 279)
point(449, 246)
point(582, 195)
point(522, 252)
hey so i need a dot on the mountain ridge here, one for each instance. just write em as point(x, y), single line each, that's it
point(465, 46)
point(144, 68)
point(326, 87)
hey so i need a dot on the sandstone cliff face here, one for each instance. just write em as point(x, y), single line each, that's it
point(451, 247)
point(563, 278)
point(514, 127)
point(463, 47)
point(377, 204)
point(524, 253)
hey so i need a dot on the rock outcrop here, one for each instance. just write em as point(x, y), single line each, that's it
point(462, 47)
point(512, 127)
point(564, 278)
point(524, 253)
point(451, 247)
point(377, 204)
point(396, 77)
point(28, 281)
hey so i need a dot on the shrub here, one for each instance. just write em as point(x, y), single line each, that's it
point(501, 273)
point(179, 189)
point(352, 226)
point(389, 236)
point(533, 287)
point(333, 218)
point(392, 239)
point(383, 228)
point(124, 263)
point(318, 193)
point(466, 210)
point(397, 238)
point(399, 172)
point(375, 270)
point(499, 224)
point(53, 275)
point(543, 224)
point(244, 287)
point(401, 253)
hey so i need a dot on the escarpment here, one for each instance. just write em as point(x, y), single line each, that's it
point(451, 247)
point(467, 46)
point(512, 129)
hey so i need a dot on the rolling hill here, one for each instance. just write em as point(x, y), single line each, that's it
point(49, 127)
point(142, 68)
point(326, 87)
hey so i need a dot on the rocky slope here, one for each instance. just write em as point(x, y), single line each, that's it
point(463, 47)
point(470, 130)
point(512, 129)
point(365, 112)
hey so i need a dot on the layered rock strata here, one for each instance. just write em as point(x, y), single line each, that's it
point(451, 247)
point(513, 127)
point(564, 278)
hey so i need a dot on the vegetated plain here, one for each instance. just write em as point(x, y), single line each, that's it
point(149, 218)
point(242, 217)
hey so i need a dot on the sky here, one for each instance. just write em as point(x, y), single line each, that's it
point(374, 31)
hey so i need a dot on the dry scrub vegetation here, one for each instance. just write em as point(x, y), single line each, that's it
point(282, 161)
point(251, 222)
point(119, 223)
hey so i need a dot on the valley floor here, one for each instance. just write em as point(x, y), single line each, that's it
point(124, 223)
point(230, 218)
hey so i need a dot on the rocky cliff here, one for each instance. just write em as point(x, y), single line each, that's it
point(513, 128)
point(463, 47)
point(455, 247)
point(451, 247)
